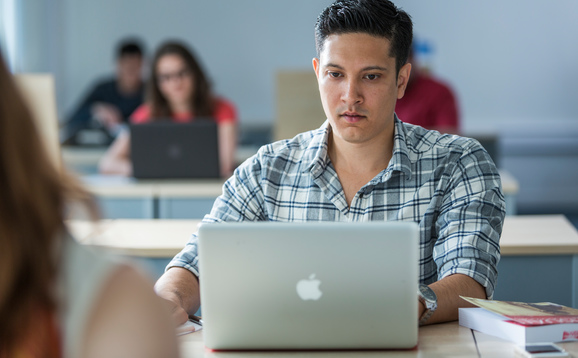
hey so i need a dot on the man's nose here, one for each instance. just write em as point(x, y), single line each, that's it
point(352, 92)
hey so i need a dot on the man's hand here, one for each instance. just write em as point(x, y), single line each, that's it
point(178, 313)
point(180, 289)
point(108, 115)
point(448, 291)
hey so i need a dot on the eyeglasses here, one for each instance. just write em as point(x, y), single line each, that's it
point(167, 77)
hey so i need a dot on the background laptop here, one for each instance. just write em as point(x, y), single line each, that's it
point(321, 285)
point(164, 149)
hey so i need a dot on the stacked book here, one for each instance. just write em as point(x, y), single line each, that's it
point(521, 323)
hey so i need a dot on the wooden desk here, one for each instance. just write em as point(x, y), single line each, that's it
point(82, 159)
point(85, 160)
point(539, 253)
point(128, 198)
point(149, 243)
point(510, 188)
point(523, 238)
point(119, 186)
point(183, 199)
point(539, 260)
point(539, 235)
point(123, 197)
point(522, 235)
point(140, 238)
point(442, 340)
point(105, 185)
point(115, 186)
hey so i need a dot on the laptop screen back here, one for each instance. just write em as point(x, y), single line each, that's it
point(309, 285)
point(165, 150)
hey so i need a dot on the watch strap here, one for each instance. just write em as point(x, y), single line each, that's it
point(429, 304)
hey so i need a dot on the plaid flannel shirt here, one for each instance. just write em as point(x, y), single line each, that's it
point(445, 183)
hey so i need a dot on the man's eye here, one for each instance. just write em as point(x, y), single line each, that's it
point(334, 74)
point(372, 77)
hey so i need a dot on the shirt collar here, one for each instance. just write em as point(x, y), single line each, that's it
point(317, 157)
point(316, 152)
point(401, 159)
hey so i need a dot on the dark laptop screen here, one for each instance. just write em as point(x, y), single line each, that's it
point(164, 150)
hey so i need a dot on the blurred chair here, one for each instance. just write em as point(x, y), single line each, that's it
point(39, 92)
point(299, 106)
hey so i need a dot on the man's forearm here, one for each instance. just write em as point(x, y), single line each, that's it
point(181, 287)
point(448, 291)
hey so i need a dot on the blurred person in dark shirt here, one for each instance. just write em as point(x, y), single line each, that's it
point(112, 100)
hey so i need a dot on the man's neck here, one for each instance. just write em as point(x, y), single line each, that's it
point(356, 164)
point(128, 89)
point(360, 158)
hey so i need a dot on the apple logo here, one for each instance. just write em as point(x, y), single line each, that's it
point(308, 289)
point(174, 151)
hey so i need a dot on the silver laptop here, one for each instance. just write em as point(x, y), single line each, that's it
point(321, 285)
point(167, 150)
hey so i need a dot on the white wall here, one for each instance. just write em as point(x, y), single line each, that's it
point(241, 43)
point(512, 63)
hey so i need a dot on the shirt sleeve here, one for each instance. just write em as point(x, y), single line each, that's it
point(82, 115)
point(141, 115)
point(470, 222)
point(225, 111)
point(242, 200)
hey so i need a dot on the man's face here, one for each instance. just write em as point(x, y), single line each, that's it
point(129, 70)
point(359, 86)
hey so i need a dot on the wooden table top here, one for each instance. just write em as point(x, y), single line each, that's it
point(522, 235)
point(538, 235)
point(439, 340)
point(118, 186)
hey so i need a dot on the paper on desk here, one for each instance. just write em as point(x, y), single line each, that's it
point(188, 327)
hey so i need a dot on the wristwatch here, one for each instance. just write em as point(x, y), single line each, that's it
point(429, 299)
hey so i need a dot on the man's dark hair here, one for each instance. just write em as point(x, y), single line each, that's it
point(130, 47)
point(374, 17)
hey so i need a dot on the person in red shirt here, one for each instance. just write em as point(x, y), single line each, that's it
point(428, 103)
point(178, 90)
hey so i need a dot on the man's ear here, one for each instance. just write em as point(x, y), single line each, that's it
point(402, 79)
point(316, 67)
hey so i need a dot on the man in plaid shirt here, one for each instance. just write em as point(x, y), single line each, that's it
point(365, 164)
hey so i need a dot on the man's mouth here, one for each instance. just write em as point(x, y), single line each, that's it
point(351, 117)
